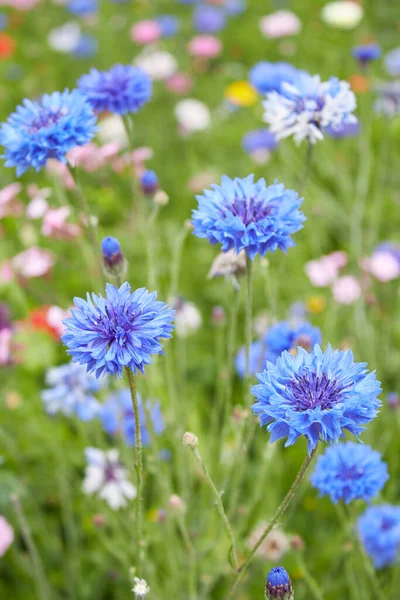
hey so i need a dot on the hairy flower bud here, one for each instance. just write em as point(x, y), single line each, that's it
point(176, 505)
point(114, 262)
point(278, 585)
point(190, 440)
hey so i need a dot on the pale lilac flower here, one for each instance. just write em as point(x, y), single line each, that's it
point(383, 265)
point(55, 224)
point(179, 83)
point(10, 206)
point(205, 46)
point(65, 38)
point(106, 476)
point(346, 289)
point(6, 535)
point(91, 157)
point(34, 262)
point(280, 24)
point(37, 208)
point(322, 272)
point(112, 131)
point(145, 32)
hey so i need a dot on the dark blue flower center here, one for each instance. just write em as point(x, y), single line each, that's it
point(250, 210)
point(311, 391)
point(45, 119)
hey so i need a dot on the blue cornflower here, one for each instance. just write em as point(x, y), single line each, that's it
point(117, 416)
point(87, 46)
point(247, 215)
point(350, 471)
point(111, 250)
point(283, 336)
point(279, 337)
point(123, 89)
point(235, 7)
point(169, 25)
point(318, 395)
point(82, 7)
point(392, 62)
point(121, 330)
point(267, 77)
point(366, 52)
point(47, 129)
point(379, 530)
point(208, 19)
point(307, 106)
point(278, 584)
point(149, 182)
point(3, 21)
point(344, 130)
point(259, 139)
point(71, 392)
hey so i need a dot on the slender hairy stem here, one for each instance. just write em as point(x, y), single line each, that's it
point(307, 167)
point(369, 568)
point(192, 558)
point(151, 278)
point(312, 584)
point(249, 313)
point(220, 508)
point(138, 465)
point(42, 587)
point(279, 512)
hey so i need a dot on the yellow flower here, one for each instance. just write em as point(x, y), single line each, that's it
point(316, 304)
point(241, 93)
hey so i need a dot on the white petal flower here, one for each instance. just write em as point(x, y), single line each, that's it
point(65, 38)
point(157, 64)
point(343, 14)
point(305, 108)
point(106, 476)
point(187, 317)
point(140, 588)
point(192, 115)
point(112, 130)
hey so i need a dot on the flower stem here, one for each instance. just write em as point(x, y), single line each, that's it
point(39, 575)
point(220, 508)
point(307, 168)
point(151, 249)
point(249, 313)
point(279, 512)
point(192, 557)
point(138, 465)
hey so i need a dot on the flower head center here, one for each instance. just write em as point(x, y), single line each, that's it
point(46, 119)
point(250, 210)
point(312, 391)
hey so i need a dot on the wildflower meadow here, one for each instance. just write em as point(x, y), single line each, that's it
point(199, 292)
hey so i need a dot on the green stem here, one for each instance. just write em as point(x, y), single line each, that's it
point(192, 558)
point(43, 590)
point(150, 248)
point(138, 465)
point(249, 313)
point(220, 508)
point(312, 584)
point(279, 512)
point(307, 167)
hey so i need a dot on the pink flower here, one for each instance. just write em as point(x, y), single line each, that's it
point(205, 46)
point(346, 290)
point(179, 83)
point(20, 4)
point(201, 181)
point(6, 272)
point(5, 358)
point(324, 271)
point(6, 535)
point(92, 157)
point(60, 170)
point(382, 265)
point(145, 32)
point(55, 318)
point(34, 262)
point(36, 208)
point(55, 225)
point(10, 206)
point(280, 24)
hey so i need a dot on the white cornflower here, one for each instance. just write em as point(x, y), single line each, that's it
point(308, 106)
point(187, 317)
point(106, 476)
point(343, 14)
point(159, 65)
point(140, 588)
point(192, 115)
